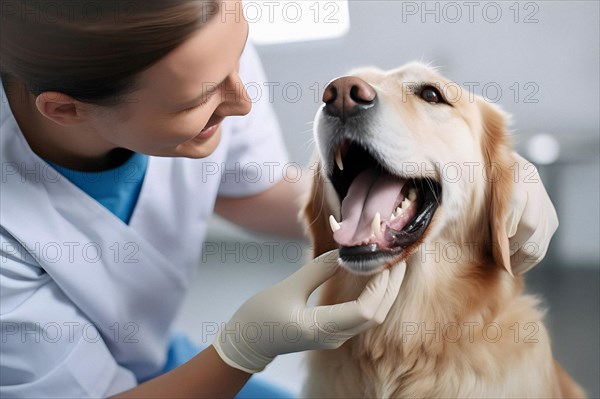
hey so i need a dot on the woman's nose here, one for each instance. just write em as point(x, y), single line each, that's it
point(234, 97)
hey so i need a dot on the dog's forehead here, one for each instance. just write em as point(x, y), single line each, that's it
point(414, 72)
point(417, 72)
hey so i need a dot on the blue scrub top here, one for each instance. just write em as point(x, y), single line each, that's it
point(116, 189)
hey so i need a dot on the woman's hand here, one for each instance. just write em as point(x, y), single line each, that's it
point(278, 320)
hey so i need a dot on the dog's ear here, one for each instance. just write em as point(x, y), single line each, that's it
point(498, 159)
point(316, 211)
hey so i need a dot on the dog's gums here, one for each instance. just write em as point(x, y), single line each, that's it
point(382, 214)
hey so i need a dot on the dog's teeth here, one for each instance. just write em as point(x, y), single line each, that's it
point(338, 159)
point(396, 214)
point(405, 204)
point(335, 226)
point(412, 194)
point(376, 225)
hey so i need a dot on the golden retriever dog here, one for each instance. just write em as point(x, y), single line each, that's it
point(413, 168)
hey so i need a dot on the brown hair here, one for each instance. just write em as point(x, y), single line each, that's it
point(92, 50)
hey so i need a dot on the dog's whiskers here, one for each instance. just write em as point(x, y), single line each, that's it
point(431, 187)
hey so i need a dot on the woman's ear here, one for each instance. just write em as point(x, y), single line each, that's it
point(317, 208)
point(60, 108)
point(497, 154)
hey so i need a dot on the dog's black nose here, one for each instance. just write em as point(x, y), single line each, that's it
point(348, 96)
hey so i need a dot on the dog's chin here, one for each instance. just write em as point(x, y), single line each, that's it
point(366, 268)
point(367, 265)
point(369, 259)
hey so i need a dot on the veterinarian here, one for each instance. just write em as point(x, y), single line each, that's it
point(121, 133)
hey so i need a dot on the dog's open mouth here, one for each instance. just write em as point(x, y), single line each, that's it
point(383, 215)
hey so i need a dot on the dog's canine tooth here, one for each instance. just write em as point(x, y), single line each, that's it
point(335, 226)
point(412, 194)
point(338, 159)
point(376, 225)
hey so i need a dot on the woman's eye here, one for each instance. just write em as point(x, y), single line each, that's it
point(431, 95)
point(203, 102)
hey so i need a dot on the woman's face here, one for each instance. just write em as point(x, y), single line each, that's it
point(183, 98)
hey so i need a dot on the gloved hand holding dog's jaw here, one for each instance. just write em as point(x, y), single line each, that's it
point(278, 320)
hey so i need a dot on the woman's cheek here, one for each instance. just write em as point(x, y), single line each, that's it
point(183, 129)
point(195, 120)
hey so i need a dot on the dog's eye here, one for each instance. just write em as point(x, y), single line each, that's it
point(431, 95)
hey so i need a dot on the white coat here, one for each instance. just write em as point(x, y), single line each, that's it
point(86, 302)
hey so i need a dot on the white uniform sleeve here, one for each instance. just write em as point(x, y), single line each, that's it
point(256, 158)
point(49, 348)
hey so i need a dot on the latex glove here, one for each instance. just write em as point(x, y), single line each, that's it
point(278, 320)
point(531, 217)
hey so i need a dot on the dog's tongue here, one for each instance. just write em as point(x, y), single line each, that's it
point(369, 193)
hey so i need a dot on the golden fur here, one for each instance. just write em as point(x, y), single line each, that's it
point(461, 326)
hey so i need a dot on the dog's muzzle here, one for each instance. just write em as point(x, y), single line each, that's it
point(382, 214)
